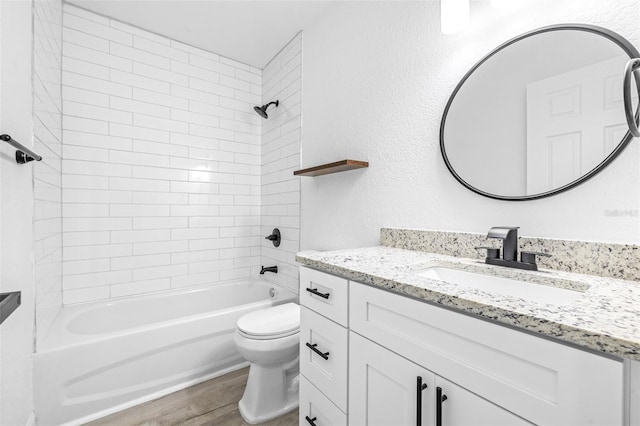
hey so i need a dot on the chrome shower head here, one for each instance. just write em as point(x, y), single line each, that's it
point(262, 111)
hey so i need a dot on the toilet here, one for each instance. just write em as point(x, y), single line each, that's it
point(269, 340)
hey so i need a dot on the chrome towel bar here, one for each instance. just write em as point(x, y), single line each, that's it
point(23, 154)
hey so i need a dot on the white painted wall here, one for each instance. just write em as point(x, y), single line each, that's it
point(16, 213)
point(280, 204)
point(161, 169)
point(376, 78)
point(47, 175)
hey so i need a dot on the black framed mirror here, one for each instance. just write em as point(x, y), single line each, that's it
point(540, 114)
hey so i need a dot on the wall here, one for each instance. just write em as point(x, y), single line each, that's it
point(376, 79)
point(16, 213)
point(47, 178)
point(282, 80)
point(161, 169)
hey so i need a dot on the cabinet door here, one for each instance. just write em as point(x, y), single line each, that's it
point(460, 407)
point(383, 387)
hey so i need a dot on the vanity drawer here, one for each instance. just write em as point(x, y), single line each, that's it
point(325, 294)
point(314, 405)
point(542, 381)
point(324, 355)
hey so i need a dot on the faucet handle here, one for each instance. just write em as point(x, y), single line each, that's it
point(530, 256)
point(492, 252)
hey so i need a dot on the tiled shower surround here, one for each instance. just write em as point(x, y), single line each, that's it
point(161, 162)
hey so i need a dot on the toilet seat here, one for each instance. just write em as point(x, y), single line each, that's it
point(272, 323)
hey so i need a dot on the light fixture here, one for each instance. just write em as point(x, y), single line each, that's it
point(454, 15)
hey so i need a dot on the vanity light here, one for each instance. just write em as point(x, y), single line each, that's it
point(454, 15)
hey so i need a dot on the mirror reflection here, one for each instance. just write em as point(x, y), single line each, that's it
point(538, 114)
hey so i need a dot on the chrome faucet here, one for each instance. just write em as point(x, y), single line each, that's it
point(509, 237)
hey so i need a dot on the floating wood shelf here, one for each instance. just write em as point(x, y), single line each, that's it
point(338, 166)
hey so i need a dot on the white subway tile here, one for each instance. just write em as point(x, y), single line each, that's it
point(194, 256)
point(85, 125)
point(97, 141)
point(85, 210)
point(194, 94)
point(191, 71)
point(160, 49)
point(194, 50)
point(248, 76)
point(211, 65)
point(132, 262)
point(96, 113)
point(122, 51)
point(160, 173)
point(74, 152)
point(96, 279)
point(194, 210)
point(135, 132)
point(81, 295)
point(137, 158)
point(85, 68)
point(211, 199)
point(193, 163)
point(139, 32)
point(159, 272)
point(209, 177)
point(208, 222)
point(75, 51)
point(71, 239)
point(190, 117)
point(211, 243)
point(160, 222)
point(211, 266)
point(214, 110)
point(94, 168)
point(85, 266)
point(136, 184)
point(124, 104)
point(209, 87)
point(160, 123)
point(84, 96)
point(159, 198)
point(140, 236)
point(140, 287)
point(194, 141)
point(210, 132)
point(96, 29)
point(195, 279)
point(160, 99)
point(96, 251)
point(160, 74)
point(160, 148)
point(195, 187)
point(132, 210)
point(95, 84)
point(95, 224)
point(195, 234)
point(160, 247)
point(134, 80)
point(77, 11)
point(210, 154)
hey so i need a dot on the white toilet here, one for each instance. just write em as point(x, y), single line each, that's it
point(269, 340)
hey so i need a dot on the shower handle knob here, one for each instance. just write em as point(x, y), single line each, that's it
point(275, 237)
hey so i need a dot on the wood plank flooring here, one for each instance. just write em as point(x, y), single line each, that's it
point(214, 402)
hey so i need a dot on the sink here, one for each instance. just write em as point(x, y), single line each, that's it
point(506, 286)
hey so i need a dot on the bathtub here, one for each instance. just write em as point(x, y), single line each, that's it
point(99, 358)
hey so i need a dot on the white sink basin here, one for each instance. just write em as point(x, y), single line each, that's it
point(505, 286)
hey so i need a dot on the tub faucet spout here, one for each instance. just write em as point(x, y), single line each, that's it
point(273, 269)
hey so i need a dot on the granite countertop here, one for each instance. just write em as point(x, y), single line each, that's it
point(605, 317)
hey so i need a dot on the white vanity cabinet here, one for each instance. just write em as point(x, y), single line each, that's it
point(490, 374)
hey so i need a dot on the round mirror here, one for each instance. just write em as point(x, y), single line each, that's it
point(540, 114)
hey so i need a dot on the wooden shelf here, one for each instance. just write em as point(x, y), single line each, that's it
point(338, 166)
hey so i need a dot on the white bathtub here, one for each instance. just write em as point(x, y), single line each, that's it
point(102, 357)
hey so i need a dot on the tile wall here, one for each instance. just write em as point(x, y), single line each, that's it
point(162, 162)
point(47, 119)
point(282, 80)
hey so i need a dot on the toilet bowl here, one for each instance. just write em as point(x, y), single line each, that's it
point(269, 340)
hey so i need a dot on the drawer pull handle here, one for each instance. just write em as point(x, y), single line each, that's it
point(324, 355)
point(440, 398)
point(419, 388)
point(317, 293)
point(312, 421)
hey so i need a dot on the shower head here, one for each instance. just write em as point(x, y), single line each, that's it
point(262, 111)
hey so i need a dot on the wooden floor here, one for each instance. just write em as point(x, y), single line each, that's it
point(214, 402)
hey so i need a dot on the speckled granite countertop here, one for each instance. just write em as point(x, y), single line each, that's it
point(605, 317)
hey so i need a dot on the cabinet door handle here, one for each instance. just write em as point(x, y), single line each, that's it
point(311, 421)
point(317, 293)
point(324, 355)
point(419, 388)
point(440, 398)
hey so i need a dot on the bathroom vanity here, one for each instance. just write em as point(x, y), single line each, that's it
point(383, 342)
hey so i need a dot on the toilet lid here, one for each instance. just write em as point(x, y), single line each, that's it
point(276, 321)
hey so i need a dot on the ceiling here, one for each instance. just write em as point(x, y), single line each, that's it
point(249, 31)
